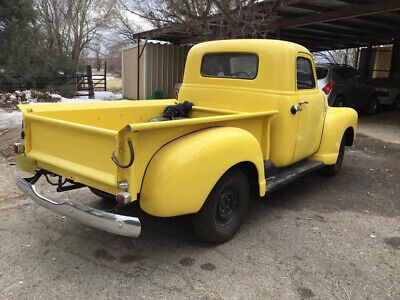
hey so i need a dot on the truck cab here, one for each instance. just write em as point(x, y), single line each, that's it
point(255, 122)
point(258, 75)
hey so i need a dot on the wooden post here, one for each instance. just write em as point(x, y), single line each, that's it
point(367, 61)
point(138, 67)
point(395, 60)
point(105, 75)
point(357, 57)
point(90, 81)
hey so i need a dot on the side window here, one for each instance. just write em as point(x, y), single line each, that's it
point(305, 75)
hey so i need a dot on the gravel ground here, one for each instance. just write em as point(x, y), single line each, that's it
point(318, 237)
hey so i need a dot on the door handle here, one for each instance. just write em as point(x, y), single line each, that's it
point(294, 109)
point(303, 102)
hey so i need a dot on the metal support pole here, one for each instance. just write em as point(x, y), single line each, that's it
point(138, 67)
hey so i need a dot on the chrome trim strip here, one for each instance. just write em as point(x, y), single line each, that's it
point(118, 224)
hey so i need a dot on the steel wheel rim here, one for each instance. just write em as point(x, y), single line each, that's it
point(227, 206)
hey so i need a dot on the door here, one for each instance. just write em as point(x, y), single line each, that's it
point(311, 109)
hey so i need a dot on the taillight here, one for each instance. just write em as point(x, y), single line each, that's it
point(123, 198)
point(18, 148)
point(327, 89)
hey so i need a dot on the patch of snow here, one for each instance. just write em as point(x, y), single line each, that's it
point(10, 119)
point(98, 96)
point(78, 100)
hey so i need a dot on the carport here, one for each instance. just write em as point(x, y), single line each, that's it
point(319, 25)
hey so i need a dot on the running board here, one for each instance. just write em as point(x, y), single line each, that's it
point(289, 174)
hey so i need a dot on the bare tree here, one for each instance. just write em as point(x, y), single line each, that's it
point(124, 27)
point(342, 56)
point(69, 26)
point(210, 19)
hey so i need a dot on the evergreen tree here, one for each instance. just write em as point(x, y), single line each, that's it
point(19, 39)
point(21, 54)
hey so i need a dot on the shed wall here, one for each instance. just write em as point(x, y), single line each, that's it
point(161, 67)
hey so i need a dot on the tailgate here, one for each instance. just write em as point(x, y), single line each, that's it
point(76, 151)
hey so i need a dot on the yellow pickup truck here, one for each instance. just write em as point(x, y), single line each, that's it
point(249, 119)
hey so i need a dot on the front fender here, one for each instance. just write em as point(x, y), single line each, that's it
point(180, 176)
point(337, 121)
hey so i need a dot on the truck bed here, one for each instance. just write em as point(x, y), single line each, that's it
point(76, 140)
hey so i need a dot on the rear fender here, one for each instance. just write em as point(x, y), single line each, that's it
point(181, 175)
point(340, 122)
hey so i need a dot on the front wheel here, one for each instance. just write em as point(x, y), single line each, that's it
point(225, 208)
point(332, 170)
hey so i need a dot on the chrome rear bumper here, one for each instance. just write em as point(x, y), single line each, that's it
point(118, 224)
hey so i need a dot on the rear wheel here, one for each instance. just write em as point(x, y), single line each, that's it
point(225, 208)
point(332, 170)
point(396, 103)
point(373, 106)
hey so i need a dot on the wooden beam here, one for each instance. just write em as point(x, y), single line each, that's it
point(311, 41)
point(369, 24)
point(335, 27)
point(395, 60)
point(308, 6)
point(321, 32)
point(338, 14)
point(356, 2)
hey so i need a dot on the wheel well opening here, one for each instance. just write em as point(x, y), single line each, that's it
point(349, 136)
point(251, 172)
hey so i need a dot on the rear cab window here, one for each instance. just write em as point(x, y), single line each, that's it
point(305, 74)
point(230, 65)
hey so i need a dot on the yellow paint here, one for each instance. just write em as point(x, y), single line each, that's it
point(337, 121)
point(178, 162)
point(26, 164)
point(274, 88)
point(182, 174)
point(76, 140)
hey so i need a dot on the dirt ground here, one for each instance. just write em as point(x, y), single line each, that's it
point(383, 127)
point(318, 237)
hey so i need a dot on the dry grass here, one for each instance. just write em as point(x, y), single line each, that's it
point(114, 85)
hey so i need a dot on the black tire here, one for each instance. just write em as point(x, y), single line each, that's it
point(102, 194)
point(225, 208)
point(333, 170)
point(373, 106)
point(396, 104)
point(339, 101)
